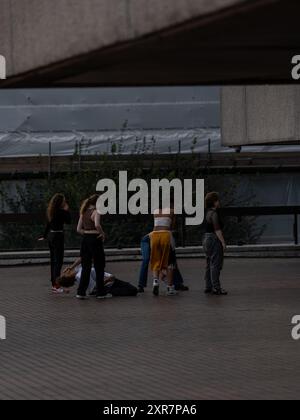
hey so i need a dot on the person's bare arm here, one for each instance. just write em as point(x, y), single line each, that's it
point(80, 226)
point(109, 279)
point(76, 263)
point(220, 235)
point(97, 218)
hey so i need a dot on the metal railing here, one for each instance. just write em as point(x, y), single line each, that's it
point(238, 212)
point(241, 212)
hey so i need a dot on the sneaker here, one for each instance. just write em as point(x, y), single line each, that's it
point(156, 288)
point(80, 297)
point(208, 291)
point(141, 289)
point(57, 290)
point(182, 288)
point(107, 296)
point(220, 292)
point(171, 291)
point(93, 293)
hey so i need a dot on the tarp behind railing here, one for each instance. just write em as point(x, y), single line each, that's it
point(121, 120)
point(118, 120)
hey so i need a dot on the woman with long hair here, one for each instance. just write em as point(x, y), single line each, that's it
point(92, 250)
point(58, 214)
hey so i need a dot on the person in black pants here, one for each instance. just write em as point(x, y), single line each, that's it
point(92, 250)
point(214, 245)
point(58, 214)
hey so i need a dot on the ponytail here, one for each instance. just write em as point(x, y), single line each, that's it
point(91, 201)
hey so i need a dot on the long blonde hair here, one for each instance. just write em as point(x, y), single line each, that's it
point(91, 201)
point(54, 205)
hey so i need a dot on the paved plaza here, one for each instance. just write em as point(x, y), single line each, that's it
point(188, 347)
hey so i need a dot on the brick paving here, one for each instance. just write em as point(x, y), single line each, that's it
point(188, 347)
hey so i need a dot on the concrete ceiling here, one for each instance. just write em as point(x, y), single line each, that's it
point(149, 42)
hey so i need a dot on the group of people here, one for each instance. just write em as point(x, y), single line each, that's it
point(158, 252)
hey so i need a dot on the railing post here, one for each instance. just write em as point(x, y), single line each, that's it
point(50, 160)
point(209, 152)
point(79, 155)
point(296, 235)
point(179, 147)
point(183, 232)
point(209, 147)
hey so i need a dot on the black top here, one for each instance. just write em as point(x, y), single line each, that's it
point(213, 221)
point(61, 218)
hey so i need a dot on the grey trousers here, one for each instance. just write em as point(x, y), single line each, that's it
point(215, 257)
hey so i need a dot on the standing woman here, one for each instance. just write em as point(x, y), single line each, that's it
point(214, 245)
point(58, 214)
point(92, 250)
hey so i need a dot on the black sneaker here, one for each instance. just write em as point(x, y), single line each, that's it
point(208, 291)
point(141, 289)
point(220, 292)
point(156, 289)
point(182, 288)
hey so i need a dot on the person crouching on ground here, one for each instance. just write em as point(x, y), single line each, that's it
point(72, 275)
point(92, 250)
point(214, 244)
point(162, 250)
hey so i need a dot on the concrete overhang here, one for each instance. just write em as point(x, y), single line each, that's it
point(148, 42)
point(260, 115)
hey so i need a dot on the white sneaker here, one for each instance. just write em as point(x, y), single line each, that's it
point(171, 291)
point(81, 297)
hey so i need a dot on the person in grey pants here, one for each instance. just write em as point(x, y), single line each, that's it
point(214, 245)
